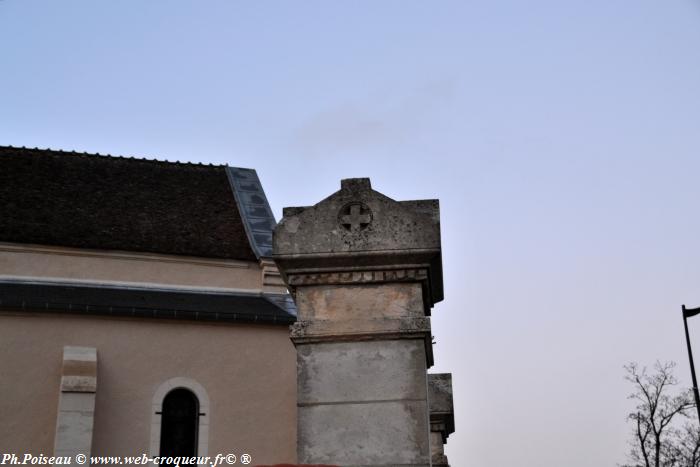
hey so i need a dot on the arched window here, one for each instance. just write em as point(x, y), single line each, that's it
point(180, 419)
point(179, 424)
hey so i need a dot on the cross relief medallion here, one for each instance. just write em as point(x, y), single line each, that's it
point(355, 216)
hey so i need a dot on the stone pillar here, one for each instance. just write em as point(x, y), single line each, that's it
point(442, 420)
point(365, 271)
point(76, 403)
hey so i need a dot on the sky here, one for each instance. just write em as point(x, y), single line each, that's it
point(562, 139)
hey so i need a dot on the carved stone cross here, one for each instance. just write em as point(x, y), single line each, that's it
point(355, 217)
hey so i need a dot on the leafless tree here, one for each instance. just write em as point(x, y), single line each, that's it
point(657, 442)
point(684, 448)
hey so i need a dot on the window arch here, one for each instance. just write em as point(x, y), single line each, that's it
point(180, 419)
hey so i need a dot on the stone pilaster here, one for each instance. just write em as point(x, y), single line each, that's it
point(442, 421)
point(76, 404)
point(365, 271)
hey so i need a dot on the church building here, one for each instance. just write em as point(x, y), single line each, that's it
point(157, 308)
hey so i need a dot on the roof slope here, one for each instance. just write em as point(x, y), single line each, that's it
point(114, 203)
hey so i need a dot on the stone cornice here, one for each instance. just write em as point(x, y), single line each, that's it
point(363, 276)
point(305, 332)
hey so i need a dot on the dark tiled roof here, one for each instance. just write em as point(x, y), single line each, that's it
point(114, 203)
point(146, 303)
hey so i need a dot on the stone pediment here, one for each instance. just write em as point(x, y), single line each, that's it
point(360, 229)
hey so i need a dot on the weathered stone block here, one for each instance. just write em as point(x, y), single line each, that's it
point(440, 385)
point(442, 422)
point(373, 370)
point(74, 427)
point(359, 219)
point(79, 372)
point(380, 433)
point(341, 302)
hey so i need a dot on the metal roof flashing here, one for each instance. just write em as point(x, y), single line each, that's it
point(255, 211)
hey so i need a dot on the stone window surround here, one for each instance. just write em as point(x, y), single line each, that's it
point(157, 409)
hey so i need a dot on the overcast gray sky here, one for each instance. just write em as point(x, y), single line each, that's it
point(561, 137)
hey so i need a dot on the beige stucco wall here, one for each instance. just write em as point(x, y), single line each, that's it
point(248, 371)
point(58, 263)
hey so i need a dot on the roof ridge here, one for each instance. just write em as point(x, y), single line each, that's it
point(73, 153)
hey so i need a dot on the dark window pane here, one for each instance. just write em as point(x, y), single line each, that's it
point(179, 424)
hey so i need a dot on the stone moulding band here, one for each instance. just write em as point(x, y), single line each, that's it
point(358, 336)
point(359, 277)
point(360, 253)
point(358, 402)
point(429, 359)
point(401, 326)
point(308, 332)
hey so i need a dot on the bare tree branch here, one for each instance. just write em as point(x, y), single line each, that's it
point(657, 441)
